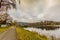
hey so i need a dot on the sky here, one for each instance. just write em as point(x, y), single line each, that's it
point(36, 10)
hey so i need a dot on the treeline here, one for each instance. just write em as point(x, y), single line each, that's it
point(45, 23)
point(42, 23)
point(48, 25)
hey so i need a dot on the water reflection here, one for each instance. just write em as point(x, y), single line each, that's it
point(51, 34)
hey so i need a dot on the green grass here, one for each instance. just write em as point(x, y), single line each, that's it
point(2, 29)
point(27, 35)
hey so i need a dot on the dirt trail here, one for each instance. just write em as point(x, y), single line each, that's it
point(10, 34)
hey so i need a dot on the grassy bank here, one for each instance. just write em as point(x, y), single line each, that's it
point(27, 35)
point(2, 29)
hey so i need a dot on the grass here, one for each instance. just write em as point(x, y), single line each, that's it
point(3, 29)
point(27, 35)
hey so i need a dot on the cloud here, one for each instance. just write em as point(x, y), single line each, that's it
point(53, 13)
point(36, 12)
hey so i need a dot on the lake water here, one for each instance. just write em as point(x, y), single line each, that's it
point(51, 34)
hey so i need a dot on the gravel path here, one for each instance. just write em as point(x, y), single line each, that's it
point(10, 34)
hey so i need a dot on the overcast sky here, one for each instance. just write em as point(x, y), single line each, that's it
point(36, 10)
